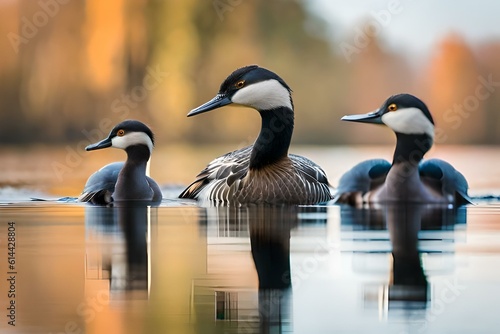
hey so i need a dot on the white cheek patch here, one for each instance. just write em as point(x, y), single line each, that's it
point(265, 95)
point(132, 138)
point(409, 121)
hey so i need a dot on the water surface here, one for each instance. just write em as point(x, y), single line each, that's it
point(181, 268)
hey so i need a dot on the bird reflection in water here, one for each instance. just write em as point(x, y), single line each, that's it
point(118, 247)
point(270, 245)
point(269, 228)
point(408, 282)
point(408, 286)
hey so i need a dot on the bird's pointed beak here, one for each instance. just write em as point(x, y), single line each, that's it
point(102, 144)
point(218, 101)
point(374, 117)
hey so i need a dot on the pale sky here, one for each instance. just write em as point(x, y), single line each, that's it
point(417, 24)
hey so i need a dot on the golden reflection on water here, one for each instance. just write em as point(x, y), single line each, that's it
point(187, 269)
point(50, 249)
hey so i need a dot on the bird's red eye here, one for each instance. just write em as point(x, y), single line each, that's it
point(120, 133)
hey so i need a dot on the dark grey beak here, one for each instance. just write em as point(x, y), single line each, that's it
point(102, 144)
point(218, 101)
point(373, 117)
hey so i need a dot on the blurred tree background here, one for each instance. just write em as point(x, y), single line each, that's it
point(71, 69)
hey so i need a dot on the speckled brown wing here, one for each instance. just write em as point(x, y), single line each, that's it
point(293, 180)
point(221, 177)
point(314, 180)
point(288, 181)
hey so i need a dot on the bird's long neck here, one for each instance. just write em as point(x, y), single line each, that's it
point(403, 180)
point(274, 138)
point(410, 149)
point(137, 157)
point(133, 174)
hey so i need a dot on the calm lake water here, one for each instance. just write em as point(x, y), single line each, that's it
point(181, 268)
